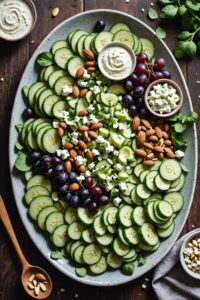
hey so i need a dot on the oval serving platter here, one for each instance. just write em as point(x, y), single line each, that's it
point(87, 20)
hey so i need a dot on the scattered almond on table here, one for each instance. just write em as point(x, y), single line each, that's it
point(55, 12)
point(191, 255)
point(37, 283)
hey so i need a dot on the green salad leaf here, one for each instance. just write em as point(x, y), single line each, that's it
point(160, 32)
point(152, 14)
point(45, 59)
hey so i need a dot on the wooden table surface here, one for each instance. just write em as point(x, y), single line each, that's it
point(13, 59)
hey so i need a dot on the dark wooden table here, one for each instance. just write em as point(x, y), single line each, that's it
point(13, 59)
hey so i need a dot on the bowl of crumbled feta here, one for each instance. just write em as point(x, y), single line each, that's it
point(163, 98)
point(190, 254)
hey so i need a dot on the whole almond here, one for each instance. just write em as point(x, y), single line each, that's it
point(82, 145)
point(40, 277)
point(30, 286)
point(86, 137)
point(148, 163)
point(83, 92)
point(148, 145)
point(73, 153)
point(91, 69)
point(89, 155)
point(167, 142)
point(160, 155)
point(63, 125)
point(89, 64)
point(159, 132)
point(165, 135)
point(37, 290)
point(135, 123)
point(160, 142)
point(60, 132)
point(75, 91)
point(166, 127)
point(89, 55)
point(140, 152)
point(81, 169)
point(153, 138)
point(96, 126)
point(158, 149)
point(68, 145)
point(92, 134)
point(83, 112)
point(146, 123)
point(169, 152)
point(141, 138)
point(150, 156)
point(55, 12)
point(150, 132)
point(80, 72)
point(74, 187)
point(143, 128)
point(42, 287)
point(68, 166)
point(84, 128)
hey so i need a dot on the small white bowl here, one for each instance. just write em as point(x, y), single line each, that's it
point(192, 235)
point(122, 45)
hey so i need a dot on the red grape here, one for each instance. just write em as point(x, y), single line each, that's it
point(89, 182)
point(142, 57)
point(159, 64)
point(141, 69)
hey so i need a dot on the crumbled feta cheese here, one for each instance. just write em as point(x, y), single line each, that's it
point(100, 139)
point(55, 124)
point(54, 196)
point(90, 108)
point(115, 125)
point(109, 148)
point(108, 187)
point(179, 154)
point(94, 119)
point(64, 154)
point(95, 152)
point(86, 75)
point(79, 160)
point(120, 98)
point(107, 116)
point(83, 83)
point(77, 118)
point(110, 161)
point(96, 89)
point(64, 114)
point(80, 178)
point(58, 152)
point(98, 82)
point(85, 120)
point(74, 141)
point(87, 173)
point(66, 90)
point(122, 186)
point(116, 153)
point(74, 135)
point(91, 166)
point(118, 167)
point(117, 201)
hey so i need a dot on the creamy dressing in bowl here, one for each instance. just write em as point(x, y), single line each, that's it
point(17, 18)
point(116, 61)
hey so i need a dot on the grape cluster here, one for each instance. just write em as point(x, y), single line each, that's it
point(138, 81)
point(90, 196)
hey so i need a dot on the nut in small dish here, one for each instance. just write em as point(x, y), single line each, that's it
point(163, 98)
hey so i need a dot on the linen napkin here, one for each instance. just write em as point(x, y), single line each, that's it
point(170, 281)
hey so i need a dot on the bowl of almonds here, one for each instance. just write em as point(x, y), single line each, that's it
point(190, 254)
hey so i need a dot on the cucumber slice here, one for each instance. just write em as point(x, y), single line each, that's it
point(98, 226)
point(59, 236)
point(63, 82)
point(143, 175)
point(84, 216)
point(102, 39)
point(149, 180)
point(88, 40)
point(100, 267)
point(43, 214)
point(73, 102)
point(139, 47)
point(42, 74)
point(124, 36)
point(148, 234)
point(139, 169)
point(74, 64)
point(142, 191)
point(116, 89)
point(39, 180)
point(32, 91)
point(74, 246)
point(70, 215)
point(80, 45)
point(161, 184)
point(49, 70)
point(170, 169)
point(124, 215)
point(55, 76)
point(75, 230)
point(166, 224)
point(165, 209)
point(37, 204)
point(51, 141)
point(48, 104)
point(175, 199)
point(119, 26)
point(40, 135)
point(184, 168)
point(127, 152)
point(58, 108)
point(77, 255)
point(135, 198)
point(113, 260)
point(164, 233)
point(91, 254)
point(148, 47)
point(69, 38)
point(131, 235)
point(81, 272)
point(105, 240)
point(62, 57)
point(136, 43)
point(109, 99)
point(117, 140)
point(120, 248)
point(112, 216)
point(121, 236)
point(151, 213)
point(75, 38)
point(138, 216)
point(34, 191)
point(103, 166)
point(129, 188)
point(179, 186)
point(88, 236)
point(53, 220)
point(82, 104)
point(58, 44)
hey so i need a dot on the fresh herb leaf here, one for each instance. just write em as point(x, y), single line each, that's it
point(164, 2)
point(190, 118)
point(55, 254)
point(169, 12)
point(45, 59)
point(152, 14)
point(182, 10)
point(179, 127)
point(141, 260)
point(178, 141)
point(191, 49)
point(193, 6)
point(25, 90)
point(180, 49)
point(18, 146)
point(128, 268)
point(21, 162)
point(161, 34)
point(184, 35)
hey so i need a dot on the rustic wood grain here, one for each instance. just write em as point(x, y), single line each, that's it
point(13, 59)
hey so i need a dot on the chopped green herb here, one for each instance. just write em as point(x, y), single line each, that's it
point(152, 14)
point(128, 268)
point(141, 260)
point(161, 34)
point(45, 59)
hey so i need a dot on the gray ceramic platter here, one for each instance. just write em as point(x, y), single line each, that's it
point(87, 20)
